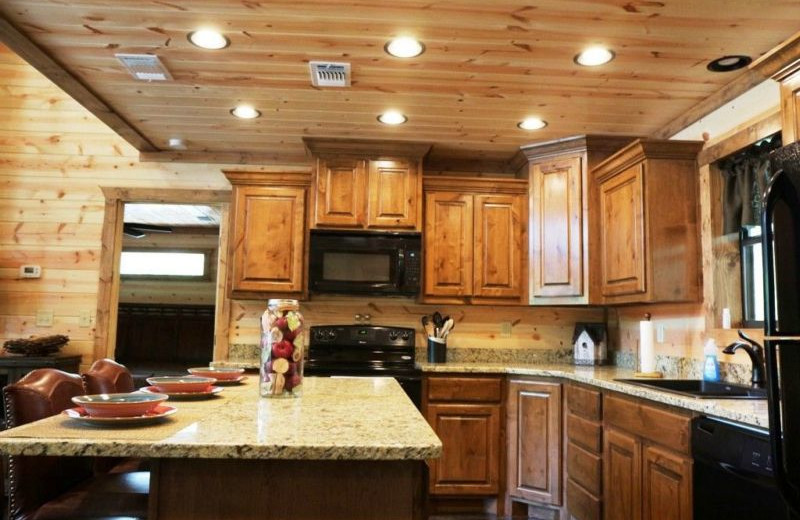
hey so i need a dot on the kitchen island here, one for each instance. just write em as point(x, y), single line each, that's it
point(348, 448)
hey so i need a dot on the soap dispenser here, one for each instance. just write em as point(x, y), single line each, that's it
point(710, 365)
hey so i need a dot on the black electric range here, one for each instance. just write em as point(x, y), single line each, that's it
point(365, 351)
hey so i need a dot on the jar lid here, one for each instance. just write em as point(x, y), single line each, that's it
point(283, 303)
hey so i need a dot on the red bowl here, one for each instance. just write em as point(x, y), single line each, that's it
point(218, 373)
point(119, 405)
point(181, 384)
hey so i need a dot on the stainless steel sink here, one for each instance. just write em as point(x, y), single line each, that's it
point(700, 389)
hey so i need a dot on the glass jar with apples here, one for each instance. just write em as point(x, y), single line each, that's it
point(281, 349)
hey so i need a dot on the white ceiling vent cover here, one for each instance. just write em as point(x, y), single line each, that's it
point(328, 74)
point(144, 67)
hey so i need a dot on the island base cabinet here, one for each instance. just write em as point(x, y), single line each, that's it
point(211, 489)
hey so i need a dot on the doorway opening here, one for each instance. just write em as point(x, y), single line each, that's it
point(167, 292)
point(162, 305)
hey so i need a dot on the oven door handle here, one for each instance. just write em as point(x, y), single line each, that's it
point(749, 476)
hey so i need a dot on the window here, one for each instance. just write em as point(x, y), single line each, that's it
point(189, 265)
point(752, 276)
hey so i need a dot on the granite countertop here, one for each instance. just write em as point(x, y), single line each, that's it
point(747, 411)
point(334, 419)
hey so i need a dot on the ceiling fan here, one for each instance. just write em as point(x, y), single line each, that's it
point(134, 230)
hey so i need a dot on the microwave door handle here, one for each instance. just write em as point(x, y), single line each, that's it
point(401, 265)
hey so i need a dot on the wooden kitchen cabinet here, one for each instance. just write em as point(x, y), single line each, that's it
point(466, 413)
point(648, 224)
point(533, 412)
point(268, 245)
point(561, 244)
point(789, 79)
point(475, 236)
point(340, 192)
point(647, 466)
point(367, 184)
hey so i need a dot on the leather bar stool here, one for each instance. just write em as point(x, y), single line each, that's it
point(63, 488)
point(106, 376)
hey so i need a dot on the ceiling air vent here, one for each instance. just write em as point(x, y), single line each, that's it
point(327, 74)
point(144, 67)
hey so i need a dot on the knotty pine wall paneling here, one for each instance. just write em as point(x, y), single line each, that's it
point(54, 156)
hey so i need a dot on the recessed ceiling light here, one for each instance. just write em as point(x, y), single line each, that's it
point(532, 123)
point(594, 56)
point(404, 47)
point(208, 39)
point(392, 117)
point(729, 63)
point(245, 112)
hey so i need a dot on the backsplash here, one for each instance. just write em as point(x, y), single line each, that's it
point(685, 367)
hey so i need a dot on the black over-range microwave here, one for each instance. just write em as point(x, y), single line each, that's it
point(353, 262)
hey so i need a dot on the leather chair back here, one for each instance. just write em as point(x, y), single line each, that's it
point(106, 376)
point(35, 480)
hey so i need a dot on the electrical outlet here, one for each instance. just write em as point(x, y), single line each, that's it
point(505, 329)
point(659, 334)
point(85, 319)
point(44, 318)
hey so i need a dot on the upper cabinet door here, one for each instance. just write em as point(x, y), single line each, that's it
point(622, 249)
point(394, 187)
point(448, 244)
point(499, 239)
point(268, 239)
point(557, 228)
point(340, 193)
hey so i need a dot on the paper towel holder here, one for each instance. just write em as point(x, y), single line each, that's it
point(651, 375)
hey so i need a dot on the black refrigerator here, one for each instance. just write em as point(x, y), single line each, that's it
point(781, 246)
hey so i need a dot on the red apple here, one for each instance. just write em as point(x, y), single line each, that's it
point(289, 335)
point(282, 323)
point(293, 381)
point(282, 349)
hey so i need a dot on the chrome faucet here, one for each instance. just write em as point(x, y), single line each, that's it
point(756, 353)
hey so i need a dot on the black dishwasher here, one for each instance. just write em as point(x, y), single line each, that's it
point(733, 476)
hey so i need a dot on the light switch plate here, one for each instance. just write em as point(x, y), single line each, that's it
point(44, 318)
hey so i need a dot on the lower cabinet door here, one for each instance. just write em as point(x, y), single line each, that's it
point(667, 485)
point(470, 461)
point(622, 476)
point(534, 441)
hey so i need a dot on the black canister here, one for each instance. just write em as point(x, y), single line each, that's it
point(437, 350)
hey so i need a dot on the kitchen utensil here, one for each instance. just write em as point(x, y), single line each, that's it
point(446, 328)
point(437, 320)
point(427, 325)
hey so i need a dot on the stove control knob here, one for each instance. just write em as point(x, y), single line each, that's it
point(393, 335)
point(405, 335)
point(331, 334)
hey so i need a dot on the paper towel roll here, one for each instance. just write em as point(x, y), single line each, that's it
point(647, 355)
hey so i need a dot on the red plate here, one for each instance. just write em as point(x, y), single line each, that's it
point(154, 415)
point(208, 392)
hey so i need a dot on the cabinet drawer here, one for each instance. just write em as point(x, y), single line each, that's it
point(581, 504)
point(465, 389)
point(584, 402)
point(666, 428)
point(586, 434)
point(585, 468)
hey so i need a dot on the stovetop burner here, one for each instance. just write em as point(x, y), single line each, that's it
point(365, 351)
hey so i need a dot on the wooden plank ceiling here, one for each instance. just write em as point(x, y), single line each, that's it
point(487, 65)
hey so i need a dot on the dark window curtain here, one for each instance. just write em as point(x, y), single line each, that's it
point(745, 176)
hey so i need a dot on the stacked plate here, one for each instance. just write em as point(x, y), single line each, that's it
point(183, 387)
point(118, 409)
point(223, 375)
